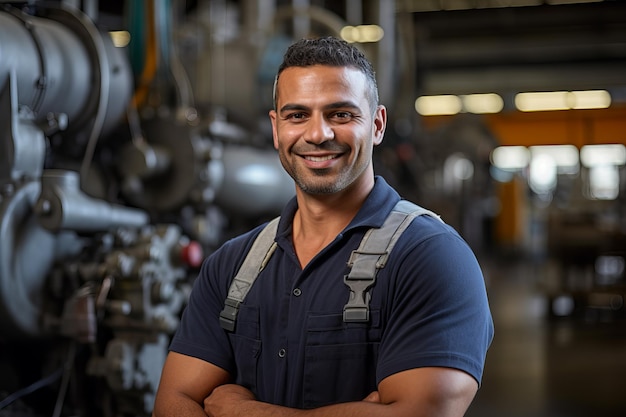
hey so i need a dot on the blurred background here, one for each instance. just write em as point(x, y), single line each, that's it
point(134, 140)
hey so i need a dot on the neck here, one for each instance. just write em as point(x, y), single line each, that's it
point(320, 218)
point(322, 211)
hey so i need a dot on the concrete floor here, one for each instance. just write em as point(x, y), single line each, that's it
point(540, 367)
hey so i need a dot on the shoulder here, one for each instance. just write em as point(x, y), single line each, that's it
point(427, 227)
point(431, 246)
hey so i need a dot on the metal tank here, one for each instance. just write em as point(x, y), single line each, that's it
point(102, 232)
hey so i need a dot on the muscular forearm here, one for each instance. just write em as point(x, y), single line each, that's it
point(436, 397)
point(185, 383)
point(259, 409)
point(177, 406)
point(232, 400)
point(351, 409)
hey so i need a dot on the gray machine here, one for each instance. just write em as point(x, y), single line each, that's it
point(101, 233)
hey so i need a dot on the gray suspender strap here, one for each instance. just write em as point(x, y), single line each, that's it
point(372, 255)
point(262, 249)
point(365, 261)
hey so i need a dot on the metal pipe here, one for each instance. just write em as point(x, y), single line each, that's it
point(63, 206)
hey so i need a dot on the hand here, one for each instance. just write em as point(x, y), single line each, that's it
point(227, 400)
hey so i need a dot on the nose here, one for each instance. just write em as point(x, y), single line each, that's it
point(318, 130)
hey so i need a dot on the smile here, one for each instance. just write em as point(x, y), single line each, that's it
point(319, 158)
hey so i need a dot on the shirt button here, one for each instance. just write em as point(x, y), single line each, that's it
point(297, 292)
point(282, 353)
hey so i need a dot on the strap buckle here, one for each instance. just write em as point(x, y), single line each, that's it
point(357, 309)
point(228, 316)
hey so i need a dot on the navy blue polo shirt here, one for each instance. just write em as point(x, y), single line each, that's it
point(291, 347)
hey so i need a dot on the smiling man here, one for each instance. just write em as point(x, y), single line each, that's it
point(325, 129)
point(295, 348)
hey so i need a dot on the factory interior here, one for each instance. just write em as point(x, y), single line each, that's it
point(134, 140)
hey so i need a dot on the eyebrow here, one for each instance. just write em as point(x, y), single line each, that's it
point(331, 106)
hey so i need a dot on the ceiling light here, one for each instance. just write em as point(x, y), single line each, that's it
point(510, 158)
point(438, 105)
point(362, 33)
point(598, 155)
point(565, 157)
point(120, 38)
point(542, 101)
point(563, 100)
point(482, 103)
point(594, 99)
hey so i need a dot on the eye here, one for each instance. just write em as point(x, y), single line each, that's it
point(342, 116)
point(296, 116)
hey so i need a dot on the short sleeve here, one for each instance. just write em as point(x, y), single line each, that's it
point(440, 313)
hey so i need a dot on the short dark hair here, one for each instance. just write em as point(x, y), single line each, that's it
point(332, 52)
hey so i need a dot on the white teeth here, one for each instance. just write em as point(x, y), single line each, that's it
point(319, 158)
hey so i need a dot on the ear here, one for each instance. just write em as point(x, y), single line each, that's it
point(379, 124)
point(273, 116)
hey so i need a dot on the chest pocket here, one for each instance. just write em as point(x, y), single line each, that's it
point(340, 359)
point(246, 347)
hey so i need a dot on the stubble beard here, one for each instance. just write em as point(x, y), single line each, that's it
point(318, 183)
point(323, 181)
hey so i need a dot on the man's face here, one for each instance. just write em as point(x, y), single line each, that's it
point(323, 127)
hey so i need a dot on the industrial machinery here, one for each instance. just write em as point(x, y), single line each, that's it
point(107, 208)
point(121, 168)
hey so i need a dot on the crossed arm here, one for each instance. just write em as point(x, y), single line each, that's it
point(191, 387)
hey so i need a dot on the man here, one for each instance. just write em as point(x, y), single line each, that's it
point(422, 351)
